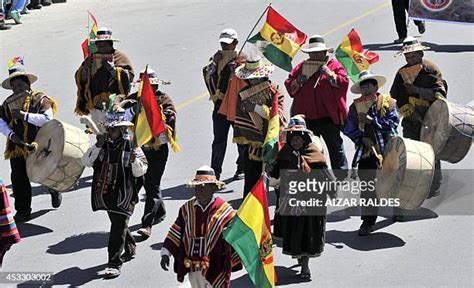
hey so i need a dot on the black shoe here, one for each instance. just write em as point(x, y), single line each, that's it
point(22, 217)
point(398, 41)
point(35, 6)
point(421, 28)
point(239, 175)
point(365, 229)
point(59, 1)
point(25, 11)
point(45, 2)
point(4, 26)
point(56, 198)
point(145, 232)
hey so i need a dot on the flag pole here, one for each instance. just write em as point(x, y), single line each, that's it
point(88, 30)
point(321, 74)
point(254, 26)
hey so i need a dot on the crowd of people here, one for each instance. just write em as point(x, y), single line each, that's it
point(243, 95)
point(16, 9)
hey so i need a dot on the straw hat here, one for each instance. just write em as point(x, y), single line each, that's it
point(411, 44)
point(367, 75)
point(205, 175)
point(254, 67)
point(16, 68)
point(297, 127)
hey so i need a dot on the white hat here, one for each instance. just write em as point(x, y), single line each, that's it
point(205, 175)
point(228, 36)
point(411, 44)
point(316, 43)
point(16, 68)
point(367, 75)
point(104, 34)
point(255, 67)
point(154, 80)
point(116, 119)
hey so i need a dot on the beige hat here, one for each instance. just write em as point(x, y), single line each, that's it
point(367, 75)
point(411, 44)
point(255, 67)
point(205, 175)
point(16, 68)
point(104, 34)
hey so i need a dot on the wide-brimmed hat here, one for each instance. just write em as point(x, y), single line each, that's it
point(411, 44)
point(316, 43)
point(255, 67)
point(367, 75)
point(228, 36)
point(116, 119)
point(104, 34)
point(154, 80)
point(297, 127)
point(205, 175)
point(16, 68)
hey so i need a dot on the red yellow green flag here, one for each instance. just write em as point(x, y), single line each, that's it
point(150, 120)
point(284, 40)
point(250, 235)
point(89, 47)
point(353, 57)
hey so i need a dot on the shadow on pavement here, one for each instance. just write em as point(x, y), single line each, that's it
point(439, 48)
point(29, 229)
point(180, 192)
point(156, 246)
point(73, 277)
point(286, 276)
point(375, 241)
point(75, 243)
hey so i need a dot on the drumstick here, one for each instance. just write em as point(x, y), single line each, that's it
point(379, 156)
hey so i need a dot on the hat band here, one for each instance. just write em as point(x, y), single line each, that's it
point(16, 70)
point(253, 65)
point(205, 178)
point(316, 40)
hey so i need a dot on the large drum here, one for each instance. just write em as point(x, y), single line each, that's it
point(56, 163)
point(407, 172)
point(448, 127)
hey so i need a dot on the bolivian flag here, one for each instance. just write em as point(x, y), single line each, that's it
point(353, 57)
point(150, 121)
point(89, 47)
point(284, 40)
point(249, 234)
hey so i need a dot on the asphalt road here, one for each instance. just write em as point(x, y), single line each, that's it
point(176, 38)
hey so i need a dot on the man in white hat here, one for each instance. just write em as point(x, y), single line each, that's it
point(21, 116)
point(249, 99)
point(415, 87)
point(319, 87)
point(373, 120)
point(217, 73)
point(105, 72)
point(117, 168)
point(156, 152)
point(195, 239)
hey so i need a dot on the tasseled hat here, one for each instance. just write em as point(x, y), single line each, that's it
point(16, 68)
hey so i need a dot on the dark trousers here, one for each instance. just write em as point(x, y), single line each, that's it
point(331, 133)
point(412, 130)
point(154, 205)
point(221, 126)
point(120, 239)
point(399, 15)
point(252, 171)
point(367, 171)
point(21, 185)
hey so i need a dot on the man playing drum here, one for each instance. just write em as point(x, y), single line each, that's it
point(21, 116)
point(318, 87)
point(373, 120)
point(105, 72)
point(217, 73)
point(415, 87)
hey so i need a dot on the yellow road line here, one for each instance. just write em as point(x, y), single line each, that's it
point(333, 30)
point(191, 100)
point(355, 19)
